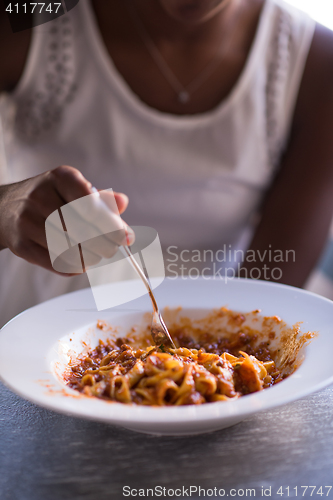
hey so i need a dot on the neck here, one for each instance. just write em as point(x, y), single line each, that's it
point(163, 26)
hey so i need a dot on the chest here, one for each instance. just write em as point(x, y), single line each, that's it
point(159, 74)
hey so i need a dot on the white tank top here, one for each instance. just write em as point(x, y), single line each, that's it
point(196, 179)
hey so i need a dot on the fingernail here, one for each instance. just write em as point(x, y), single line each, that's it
point(130, 235)
point(123, 195)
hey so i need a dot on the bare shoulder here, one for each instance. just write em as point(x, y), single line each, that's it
point(315, 99)
point(322, 45)
point(13, 52)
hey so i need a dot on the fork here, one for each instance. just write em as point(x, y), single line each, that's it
point(159, 331)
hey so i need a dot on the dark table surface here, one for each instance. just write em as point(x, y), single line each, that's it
point(48, 456)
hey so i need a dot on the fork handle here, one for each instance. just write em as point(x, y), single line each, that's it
point(126, 249)
point(141, 274)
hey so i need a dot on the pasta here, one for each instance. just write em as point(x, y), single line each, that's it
point(187, 375)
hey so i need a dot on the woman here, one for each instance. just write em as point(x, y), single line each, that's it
point(201, 111)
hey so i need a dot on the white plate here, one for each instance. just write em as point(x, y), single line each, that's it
point(32, 343)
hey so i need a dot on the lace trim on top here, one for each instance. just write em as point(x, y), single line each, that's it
point(277, 75)
point(40, 108)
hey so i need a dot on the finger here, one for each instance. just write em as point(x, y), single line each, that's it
point(68, 255)
point(72, 185)
point(69, 183)
point(101, 246)
point(109, 199)
point(75, 260)
point(46, 200)
point(56, 237)
point(122, 201)
point(39, 256)
point(92, 216)
point(35, 229)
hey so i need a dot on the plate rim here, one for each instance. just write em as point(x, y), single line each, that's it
point(148, 410)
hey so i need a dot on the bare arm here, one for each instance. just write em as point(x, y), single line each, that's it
point(13, 52)
point(298, 210)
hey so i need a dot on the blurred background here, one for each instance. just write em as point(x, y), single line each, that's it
point(320, 10)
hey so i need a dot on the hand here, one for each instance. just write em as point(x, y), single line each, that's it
point(24, 207)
